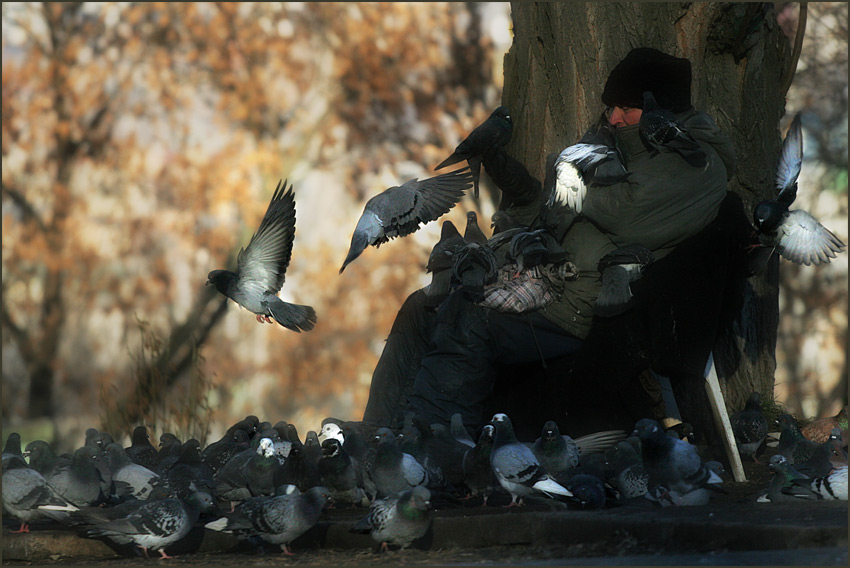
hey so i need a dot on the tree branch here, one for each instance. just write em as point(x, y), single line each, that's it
point(21, 201)
point(798, 47)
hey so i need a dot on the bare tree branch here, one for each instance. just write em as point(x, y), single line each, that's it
point(798, 47)
point(21, 201)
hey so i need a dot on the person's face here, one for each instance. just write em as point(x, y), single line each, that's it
point(624, 116)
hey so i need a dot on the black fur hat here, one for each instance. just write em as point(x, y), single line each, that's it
point(647, 69)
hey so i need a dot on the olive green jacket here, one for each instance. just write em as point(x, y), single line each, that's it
point(663, 202)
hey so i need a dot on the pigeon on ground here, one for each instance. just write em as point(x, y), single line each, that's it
point(98, 439)
point(44, 460)
point(249, 473)
point(12, 449)
point(618, 269)
point(827, 456)
point(459, 431)
point(750, 428)
point(261, 268)
point(556, 453)
point(478, 474)
point(129, 477)
point(25, 490)
point(401, 210)
point(188, 474)
point(516, 468)
point(495, 132)
point(219, 453)
point(630, 476)
point(588, 491)
point(796, 235)
point(792, 444)
point(340, 475)
point(279, 519)
point(80, 481)
point(156, 524)
point(787, 483)
point(140, 450)
point(819, 430)
point(170, 448)
point(299, 468)
point(399, 519)
point(832, 486)
point(394, 471)
point(672, 463)
point(660, 131)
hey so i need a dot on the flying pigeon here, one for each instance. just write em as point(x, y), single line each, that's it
point(279, 519)
point(156, 524)
point(25, 490)
point(673, 463)
point(796, 235)
point(398, 520)
point(516, 468)
point(750, 428)
point(261, 268)
point(618, 269)
point(660, 131)
point(140, 450)
point(401, 210)
point(495, 132)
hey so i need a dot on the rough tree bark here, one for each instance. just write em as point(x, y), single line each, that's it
point(554, 75)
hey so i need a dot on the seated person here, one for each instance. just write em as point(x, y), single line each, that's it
point(439, 363)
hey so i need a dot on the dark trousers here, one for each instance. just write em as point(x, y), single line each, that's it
point(437, 364)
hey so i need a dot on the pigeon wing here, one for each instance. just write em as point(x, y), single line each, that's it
point(790, 162)
point(805, 241)
point(403, 209)
point(516, 463)
point(262, 264)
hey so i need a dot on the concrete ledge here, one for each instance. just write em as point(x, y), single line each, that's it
point(729, 527)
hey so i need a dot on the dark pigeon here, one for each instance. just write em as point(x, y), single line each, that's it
point(792, 444)
point(531, 248)
point(299, 468)
point(475, 266)
point(249, 473)
point(554, 453)
point(278, 519)
point(493, 133)
point(394, 471)
point(129, 477)
point(156, 524)
point(750, 428)
point(588, 491)
point(219, 453)
point(618, 270)
point(401, 210)
point(340, 475)
point(473, 233)
point(98, 439)
point(672, 463)
point(170, 448)
point(787, 483)
point(44, 460)
point(399, 519)
point(140, 450)
point(188, 474)
point(478, 474)
point(80, 481)
point(516, 467)
point(630, 477)
point(660, 131)
point(12, 449)
point(796, 235)
point(440, 262)
point(261, 268)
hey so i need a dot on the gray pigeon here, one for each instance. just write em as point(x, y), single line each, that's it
point(129, 478)
point(473, 233)
point(515, 466)
point(553, 451)
point(630, 477)
point(340, 475)
point(12, 449)
point(750, 428)
point(80, 481)
point(401, 210)
point(478, 474)
point(249, 473)
point(673, 463)
point(495, 132)
point(796, 235)
point(261, 268)
point(618, 270)
point(44, 460)
point(277, 520)
point(156, 524)
point(660, 131)
point(398, 520)
point(25, 490)
point(787, 483)
point(140, 450)
point(393, 470)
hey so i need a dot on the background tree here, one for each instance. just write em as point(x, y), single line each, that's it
point(554, 75)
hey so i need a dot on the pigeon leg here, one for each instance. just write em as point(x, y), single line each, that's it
point(514, 502)
point(286, 550)
point(25, 528)
point(260, 318)
point(163, 555)
point(384, 547)
point(268, 319)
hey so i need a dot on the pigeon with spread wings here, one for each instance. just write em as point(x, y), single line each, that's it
point(261, 268)
point(401, 210)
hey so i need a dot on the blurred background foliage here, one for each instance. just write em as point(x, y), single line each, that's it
point(141, 143)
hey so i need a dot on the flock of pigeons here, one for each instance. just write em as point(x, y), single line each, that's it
point(470, 264)
point(262, 483)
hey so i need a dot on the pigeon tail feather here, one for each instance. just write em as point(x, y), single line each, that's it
point(292, 316)
point(549, 486)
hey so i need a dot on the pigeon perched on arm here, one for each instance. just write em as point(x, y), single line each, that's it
point(796, 235)
point(494, 132)
point(401, 210)
point(750, 428)
point(660, 131)
point(399, 519)
point(516, 467)
point(618, 269)
point(261, 268)
point(673, 463)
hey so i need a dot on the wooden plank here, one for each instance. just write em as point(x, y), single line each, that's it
point(721, 418)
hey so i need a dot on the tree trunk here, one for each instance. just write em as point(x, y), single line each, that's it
point(556, 70)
